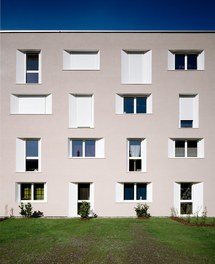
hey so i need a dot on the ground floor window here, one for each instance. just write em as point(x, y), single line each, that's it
point(31, 192)
point(134, 192)
point(188, 198)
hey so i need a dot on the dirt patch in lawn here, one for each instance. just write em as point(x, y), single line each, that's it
point(146, 249)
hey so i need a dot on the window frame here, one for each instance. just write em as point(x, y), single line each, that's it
point(191, 112)
point(21, 155)
point(119, 103)
point(32, 200)
point(120, 189)
point(142, 157)
point(172, 148)
point(21, 66)
point(200, 59)
point(99, 148)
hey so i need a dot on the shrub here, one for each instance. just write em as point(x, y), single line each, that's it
point(26, 209)
point(37, 214)
point(142, 210)
point(84, 210)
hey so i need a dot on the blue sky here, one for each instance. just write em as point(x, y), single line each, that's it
point(107, 15)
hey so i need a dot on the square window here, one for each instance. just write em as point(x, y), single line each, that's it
point(186, 60)
point(186, 148)
point(86, 148)
point(31, 192)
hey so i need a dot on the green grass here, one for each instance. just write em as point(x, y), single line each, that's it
point(155, 240)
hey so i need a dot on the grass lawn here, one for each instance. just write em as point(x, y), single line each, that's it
point(156, 240)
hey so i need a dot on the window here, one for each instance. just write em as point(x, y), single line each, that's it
point(81, 111)
point(79, 192)
point(81, 60)
point(86, 148)
point(137, 155)
point(186, 60)
point(31, 104)
point(28, 155)
point(136, 67)
point(83, 193)
point(188, 198)
point(28, 66)
point(186, 148)
point(133, 104)
point(188, 111)
point(31, 192)
point(129, 192)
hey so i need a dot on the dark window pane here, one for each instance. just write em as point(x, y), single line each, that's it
point(128, 105)
point(186, 208)
point(141, 191)
point(77, 148)
point(186, 123)
point(192, 148)
point(32, 148)
point(192, 62)
point(32, 77)
point(135, 165)
point(141, 105)
point(180, 148)
point(32, 62)
point(39, 191)
point(31, 165)
point(25, 191)
point(186, 191)
point(179, 61)
point(83, 191)
point(128, 191)
point(90, 148)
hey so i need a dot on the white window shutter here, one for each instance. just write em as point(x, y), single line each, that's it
point(72, 111)
point(84, 111)
point(147, 67)
point(119, 192)
point(197, 197)
point(73, 199)
point(20, 155)
point(119, 104)
point(20, 67)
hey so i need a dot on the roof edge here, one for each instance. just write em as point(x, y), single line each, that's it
point(107, 31)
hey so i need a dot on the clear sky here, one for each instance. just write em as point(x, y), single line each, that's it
point(107, 15)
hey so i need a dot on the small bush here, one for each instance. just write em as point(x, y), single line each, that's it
point(26, 209)
point(142, 210)
point(84, 210)
point(37, 214)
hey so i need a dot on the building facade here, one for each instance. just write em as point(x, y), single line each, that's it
point(112, 118)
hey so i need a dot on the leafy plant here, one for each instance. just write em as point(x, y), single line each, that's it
point(26, 209)
point(84, 210)
point(37, 214)
point(142, 210)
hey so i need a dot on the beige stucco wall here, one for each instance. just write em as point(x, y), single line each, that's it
point(57, 169)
